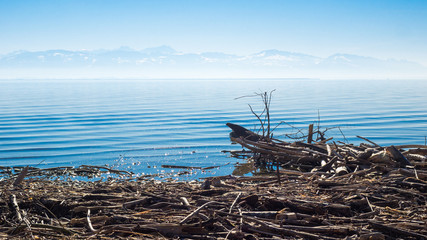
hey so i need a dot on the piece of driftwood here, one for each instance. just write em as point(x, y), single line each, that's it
point(338, 159)
point(310, 134)
point(241, 132)
point(21, 176)
point(398, 156)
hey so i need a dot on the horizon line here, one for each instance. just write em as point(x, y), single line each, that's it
point(223, 79)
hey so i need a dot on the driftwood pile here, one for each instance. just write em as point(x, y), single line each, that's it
point(371, 191)
point(325, 157)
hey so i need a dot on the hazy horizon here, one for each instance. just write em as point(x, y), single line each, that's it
point(166, 62)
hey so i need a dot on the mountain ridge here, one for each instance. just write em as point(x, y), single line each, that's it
point(165, 61)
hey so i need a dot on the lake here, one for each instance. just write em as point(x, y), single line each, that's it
point(138, 125)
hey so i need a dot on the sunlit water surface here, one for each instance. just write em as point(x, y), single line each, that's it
point(140, 125)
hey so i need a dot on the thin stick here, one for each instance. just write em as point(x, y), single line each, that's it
point(278, 172)
point(345, 139)
point(310, 133)
point(259, 119)
point(21, 176)
point(234, 202)
point(89, 223)
point(369, 203)
point(318, 123)
point(376, 145)
point(197, 211)
point(15, 206)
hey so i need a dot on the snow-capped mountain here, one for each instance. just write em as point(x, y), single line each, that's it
point(166, 62)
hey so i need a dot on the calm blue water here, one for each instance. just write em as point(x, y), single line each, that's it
point(140, 125)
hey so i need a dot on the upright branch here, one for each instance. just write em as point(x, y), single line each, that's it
point(267, 101)
point(264, 116)
point(259, 119)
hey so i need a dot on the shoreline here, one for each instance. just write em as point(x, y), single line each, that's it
point(378, 202)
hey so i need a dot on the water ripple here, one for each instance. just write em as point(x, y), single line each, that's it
point(147, 123)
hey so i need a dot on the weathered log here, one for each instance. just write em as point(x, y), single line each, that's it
point(310, 134)
point(398, 156)
point(241, 132)
point(395, 232)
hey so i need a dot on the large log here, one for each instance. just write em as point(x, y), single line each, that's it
point(241, 132)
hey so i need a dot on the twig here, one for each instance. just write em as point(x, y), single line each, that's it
point(398, 232)
point(376, 145)
point(15, 207)
point(318, 123)
point(21, 176)
point(89, 223)
point(259, 119)
point(310, 134)
point(369, 203)
point(345, 139)
point(278, 172)
point(234, 202)
point(197, 211)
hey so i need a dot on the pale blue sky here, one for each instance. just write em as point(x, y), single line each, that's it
point(382, 29)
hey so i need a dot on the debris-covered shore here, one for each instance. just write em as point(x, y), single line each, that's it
point(377, 200)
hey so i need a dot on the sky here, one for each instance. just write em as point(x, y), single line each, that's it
point(380, 29)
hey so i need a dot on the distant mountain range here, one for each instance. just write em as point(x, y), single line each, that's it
point(165, 62)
